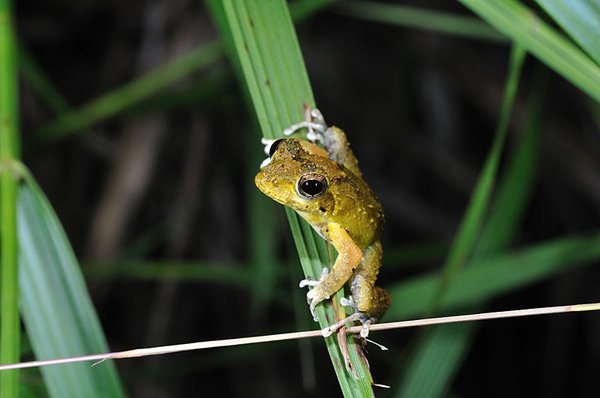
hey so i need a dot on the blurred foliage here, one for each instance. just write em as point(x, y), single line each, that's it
point(153, 185)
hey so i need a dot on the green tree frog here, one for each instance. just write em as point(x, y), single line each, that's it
point(326, 188)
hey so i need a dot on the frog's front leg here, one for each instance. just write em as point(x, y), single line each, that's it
point(314, 122)
point(333, 139)
point(349, 257)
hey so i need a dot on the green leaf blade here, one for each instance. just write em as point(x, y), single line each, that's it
point(57, 311)
point(537, 37)
point(580, 19)
point(264, 47)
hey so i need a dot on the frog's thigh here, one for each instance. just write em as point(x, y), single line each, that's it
point(348, 259)
point(366, 296)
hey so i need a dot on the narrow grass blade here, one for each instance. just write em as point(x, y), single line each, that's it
point(524, 27)
point(421, 18)
point(130, 94)
point(263, 43)
point(467, 235)
point(488, 278)
point(445, 346)
point(515, 188)
point(40, 83)
point(137, 92)
point(57, 311)
point(580, 19)
point(10, 327)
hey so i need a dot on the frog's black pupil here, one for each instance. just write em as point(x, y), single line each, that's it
point(312, 187)
point(274, 146)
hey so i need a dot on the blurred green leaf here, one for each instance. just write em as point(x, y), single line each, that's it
point(452, 341)
point(522, 25)
point(57, 311)
point(580, 19)
point(467, 235)
point(421, 18)
point(132, 93)
point(490, 277)
point(444, 346)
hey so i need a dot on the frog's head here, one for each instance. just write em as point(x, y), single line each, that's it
point(296, 177)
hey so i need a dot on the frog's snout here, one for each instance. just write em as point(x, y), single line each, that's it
point(258, 180)
point(274, 186)
point(265, 183)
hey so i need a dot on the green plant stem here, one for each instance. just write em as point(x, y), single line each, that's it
point(9, 152)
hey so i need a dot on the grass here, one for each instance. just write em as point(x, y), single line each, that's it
point(482, 261)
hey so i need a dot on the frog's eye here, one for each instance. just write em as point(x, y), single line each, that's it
point(274, 147)
point(311, 185)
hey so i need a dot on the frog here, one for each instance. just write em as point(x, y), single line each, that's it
point(319, 178)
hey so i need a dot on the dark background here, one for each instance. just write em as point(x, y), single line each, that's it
point(171, 182)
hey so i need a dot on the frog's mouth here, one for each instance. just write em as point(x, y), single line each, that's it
point(277, 188)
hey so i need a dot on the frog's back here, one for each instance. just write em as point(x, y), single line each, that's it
point(357, 209)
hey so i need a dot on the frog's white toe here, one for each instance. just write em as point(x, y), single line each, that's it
point(347, 302)
point(311, 282)
point(267, 142)
point(304, 125)
point(362, 317)
point(308, 282)
point(317, 116)
point(265, 162)
point(315, 124)
point(364, 331)
point(328, 331)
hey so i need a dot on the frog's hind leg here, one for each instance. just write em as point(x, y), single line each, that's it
point(369, 299)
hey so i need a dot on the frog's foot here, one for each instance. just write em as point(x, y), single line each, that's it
point(315, 123)
point(310, 295)
point(365, 319)
point(267, 142)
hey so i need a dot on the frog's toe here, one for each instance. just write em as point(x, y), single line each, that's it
point(265, 162)
point(311, 282)
point(315, 123)
point(315, 295)
point(328, 331)
point(312, 303)
point(313, 309)
point(308, 282)
point(365, 319)
point(317, 116)
point(314, 136)
point(347, 302)
point(366, 325)
point(357, 316)
point(312, 126)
